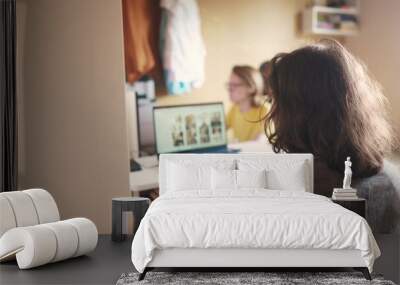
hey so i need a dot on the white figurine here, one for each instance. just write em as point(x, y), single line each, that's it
point(347, 174)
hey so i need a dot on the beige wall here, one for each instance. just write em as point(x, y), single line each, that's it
point(241, 32)
point(378, 45)
point(75, 141)
point(238, 32)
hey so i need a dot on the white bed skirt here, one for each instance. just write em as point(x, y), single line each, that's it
point(192, 257)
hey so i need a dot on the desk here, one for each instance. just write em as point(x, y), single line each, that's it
point(147, 178)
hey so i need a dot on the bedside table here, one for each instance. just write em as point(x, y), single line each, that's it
point(137, 205)
point(357, 205)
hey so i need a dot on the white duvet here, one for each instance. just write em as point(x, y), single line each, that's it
point(250, 219)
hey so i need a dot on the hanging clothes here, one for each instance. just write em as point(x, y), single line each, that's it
point(182, 47)
point(141, 21)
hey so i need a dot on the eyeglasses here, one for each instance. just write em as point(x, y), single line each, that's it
point(230, 85)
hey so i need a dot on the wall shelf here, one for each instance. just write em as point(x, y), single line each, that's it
point(332, 10)
point(331, 21)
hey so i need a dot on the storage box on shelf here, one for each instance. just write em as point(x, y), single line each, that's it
point(333, 21)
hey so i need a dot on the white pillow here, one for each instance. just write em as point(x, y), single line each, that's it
point(292, 179)
point(185, 174)
point(181, 177)
point(223, 179)
point(251, 178)
point(227, 179)
point(280, 175)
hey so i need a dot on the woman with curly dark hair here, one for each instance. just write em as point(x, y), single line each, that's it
point(324, 102)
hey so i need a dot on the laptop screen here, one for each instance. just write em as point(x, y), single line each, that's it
point(185, 128)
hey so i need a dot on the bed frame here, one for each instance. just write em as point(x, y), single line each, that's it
point(246, 258)
point(243, 259)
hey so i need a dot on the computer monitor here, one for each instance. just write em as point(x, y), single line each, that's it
point(186, 128)
point(145, 131)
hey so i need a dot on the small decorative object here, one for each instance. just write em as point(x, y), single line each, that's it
point(347, 174)
point(345, 193)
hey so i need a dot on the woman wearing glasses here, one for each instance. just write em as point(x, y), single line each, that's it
point(245, 89)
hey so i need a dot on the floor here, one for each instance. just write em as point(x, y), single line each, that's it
point(103, 266)
point(110, 260)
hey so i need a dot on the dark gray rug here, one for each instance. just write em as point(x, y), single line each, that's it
point(269, 278)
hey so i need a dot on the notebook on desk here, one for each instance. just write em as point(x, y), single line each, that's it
point(193, 128)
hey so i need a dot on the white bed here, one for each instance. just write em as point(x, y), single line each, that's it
point(247, 210)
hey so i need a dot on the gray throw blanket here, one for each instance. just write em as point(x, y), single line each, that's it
point(382, 192)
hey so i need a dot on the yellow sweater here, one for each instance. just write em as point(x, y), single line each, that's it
point(248, 125)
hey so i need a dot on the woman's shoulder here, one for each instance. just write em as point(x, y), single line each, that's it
point(261, 110)
point(231, 115)
point(232, 110)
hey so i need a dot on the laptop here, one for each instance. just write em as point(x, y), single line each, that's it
point(192, 128)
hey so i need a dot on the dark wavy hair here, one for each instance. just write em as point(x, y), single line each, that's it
point(324, 102)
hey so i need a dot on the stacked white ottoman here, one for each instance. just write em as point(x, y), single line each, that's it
point(31, 230)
